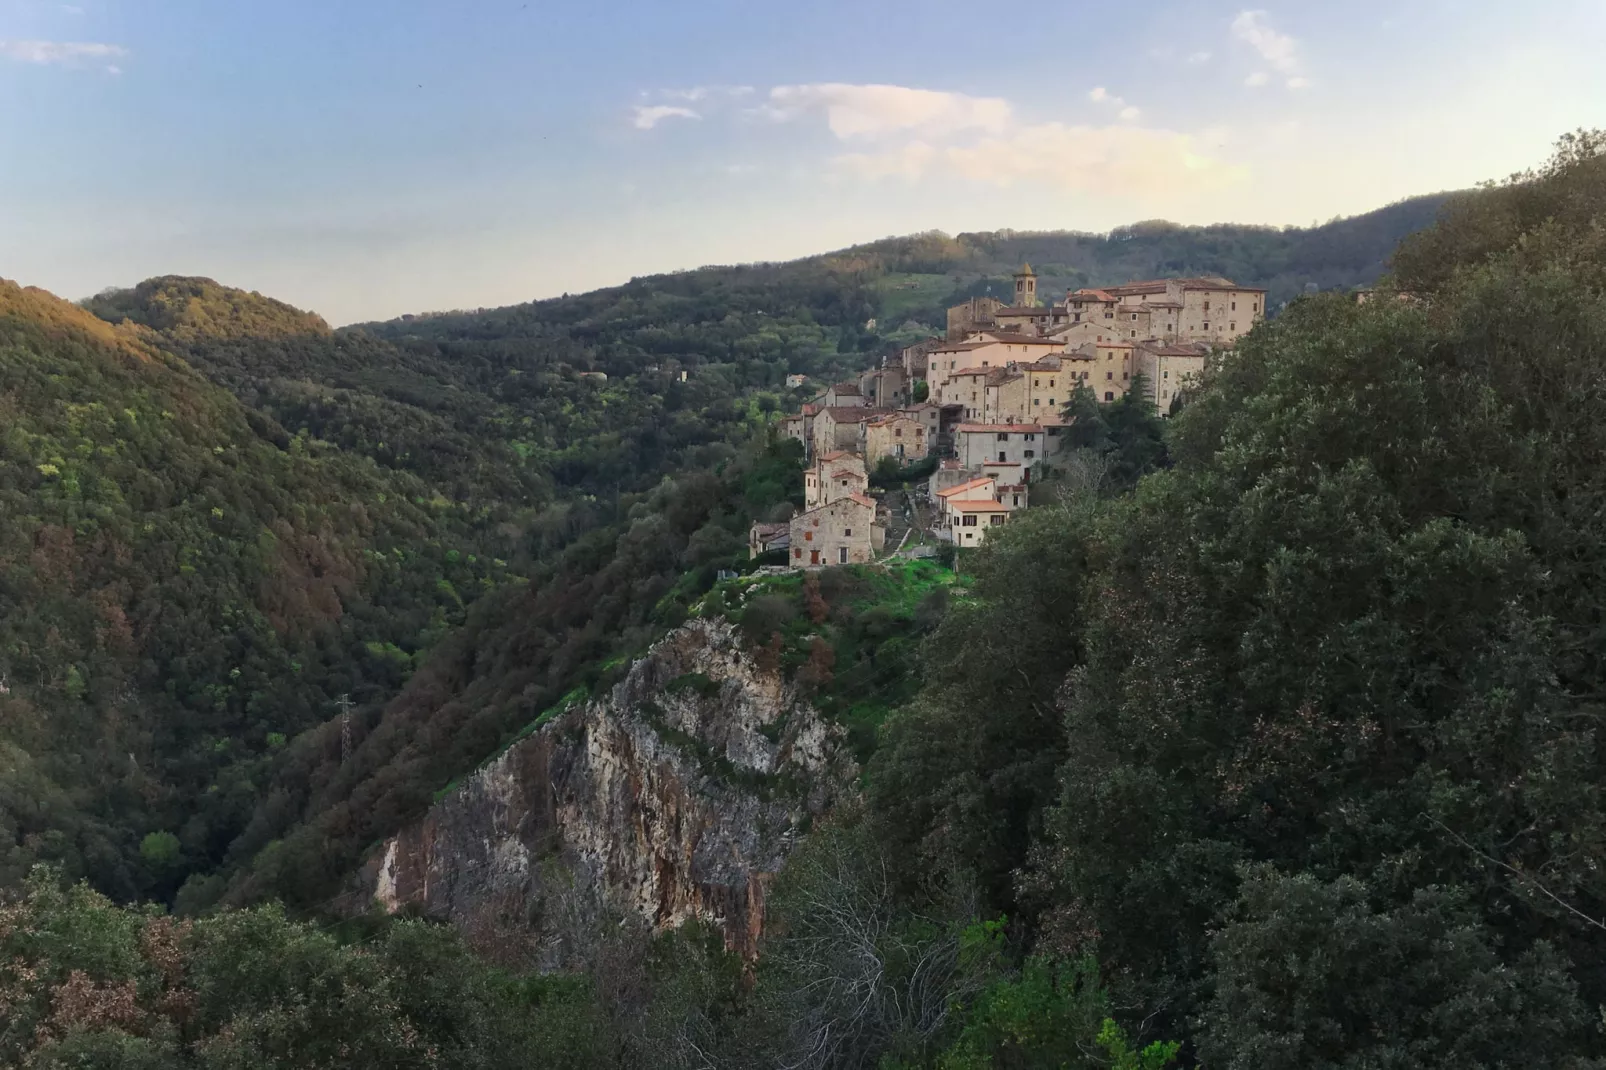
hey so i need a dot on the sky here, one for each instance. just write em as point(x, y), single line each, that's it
point(368, 158)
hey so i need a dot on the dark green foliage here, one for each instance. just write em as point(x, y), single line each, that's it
point(175, 593)
point(86, 983)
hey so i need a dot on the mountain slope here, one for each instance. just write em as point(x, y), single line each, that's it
point(182, 589)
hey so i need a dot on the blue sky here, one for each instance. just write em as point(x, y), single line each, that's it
point(365, 159)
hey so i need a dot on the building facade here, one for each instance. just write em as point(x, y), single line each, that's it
point(842, 532)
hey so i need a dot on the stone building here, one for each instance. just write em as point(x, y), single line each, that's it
point(901, 437)
point(975, 444)
point(842, 532)
point(762, 538)
point(972, 316)
point(1168, 369)
point(842, 428)
point(833, 475)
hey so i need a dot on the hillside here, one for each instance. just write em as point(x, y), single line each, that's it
point(185, 589)
point(913, 280)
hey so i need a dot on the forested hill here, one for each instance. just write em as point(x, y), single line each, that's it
point(908, 283)
point(183, 589)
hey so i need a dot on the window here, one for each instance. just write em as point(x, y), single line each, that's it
point(808, 536)
point(1076, 318)
point(1109, 315)
point(1051, 387)
point(1207, 325)
point(897, 432)
point(1109, 375)
point(1134, 334)
point(1036, 383)
point(1030, 454)
point(1001, 457)
point(1003, 436)
point(1165, 375)
point(1051, 401)
point(1207, 306)
point(1109, 396)
point(1014, 499)
point(1134, 317)
point(1030, 438)
point(797, 554)
point(1234, 306)
point(1039, 401)
point(970, 521)
point(847, 533)
point(1126, 375)
point(842, 555)
point(996, 519)
point(1232, 326)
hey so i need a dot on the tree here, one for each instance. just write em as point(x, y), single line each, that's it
point(921, 391)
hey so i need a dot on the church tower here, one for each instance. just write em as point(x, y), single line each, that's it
point(1026, 287)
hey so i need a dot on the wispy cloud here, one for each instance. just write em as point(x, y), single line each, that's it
point(705, 92)
point(1089, 159)
point(1197, 58)
point(59, 52)
point(909, 134)
point(649, 116)
point(872, 111)
point(1278, 50)
point(1100, 95)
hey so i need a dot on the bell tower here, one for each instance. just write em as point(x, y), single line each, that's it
point(1026, 287)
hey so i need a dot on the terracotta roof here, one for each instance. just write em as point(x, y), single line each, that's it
point(1091, 295)
point(837, 455)
point(1010, 338)
point(1195, 282)
point(979, 507)
point(846, 388)
point(853, 414)
point(972, 485)
point(862, 500)
point(1025, 310)
point(811, 409)
point(769, 531)
point(1162, 304)
point(845, 473)
point(1002, 375)
point(962, 347)
point(1030, 429)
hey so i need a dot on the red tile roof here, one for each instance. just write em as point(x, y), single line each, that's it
point(972, 485)
point(979, 507)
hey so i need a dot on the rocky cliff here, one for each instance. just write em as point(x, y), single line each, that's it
point(674, 798)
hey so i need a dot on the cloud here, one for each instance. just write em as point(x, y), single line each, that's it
point(1100, 95)
point(1258, 79)
point(877, 111)
point(704, 92)
point(1279, 50)
point(71, 9)
point(63, 52)
point(649, 116)
point(1198, 57)
point(1110, 160)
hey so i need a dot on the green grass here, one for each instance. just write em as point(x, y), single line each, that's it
point(900, 294)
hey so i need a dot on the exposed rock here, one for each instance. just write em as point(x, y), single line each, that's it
point(675, 798)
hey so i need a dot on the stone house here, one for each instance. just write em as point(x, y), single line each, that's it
point(913, 359)
point(796, 426)
point(762, 538)
point(1106, 367)
point(975, 444)
point(841, 396)
point(842, 532)
point(1169, 369)
point(971, 316)
point(833, 475)
point(901, 437)
point(885, 388)
point(842, 428)
point(795, 381)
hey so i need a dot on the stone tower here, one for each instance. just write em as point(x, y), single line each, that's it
point(1026, 287)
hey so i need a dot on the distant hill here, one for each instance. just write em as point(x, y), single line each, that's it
point(912, 280)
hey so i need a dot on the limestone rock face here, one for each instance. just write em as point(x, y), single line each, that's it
point(677, 797)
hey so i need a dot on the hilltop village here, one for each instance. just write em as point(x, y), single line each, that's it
point(991, 400)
